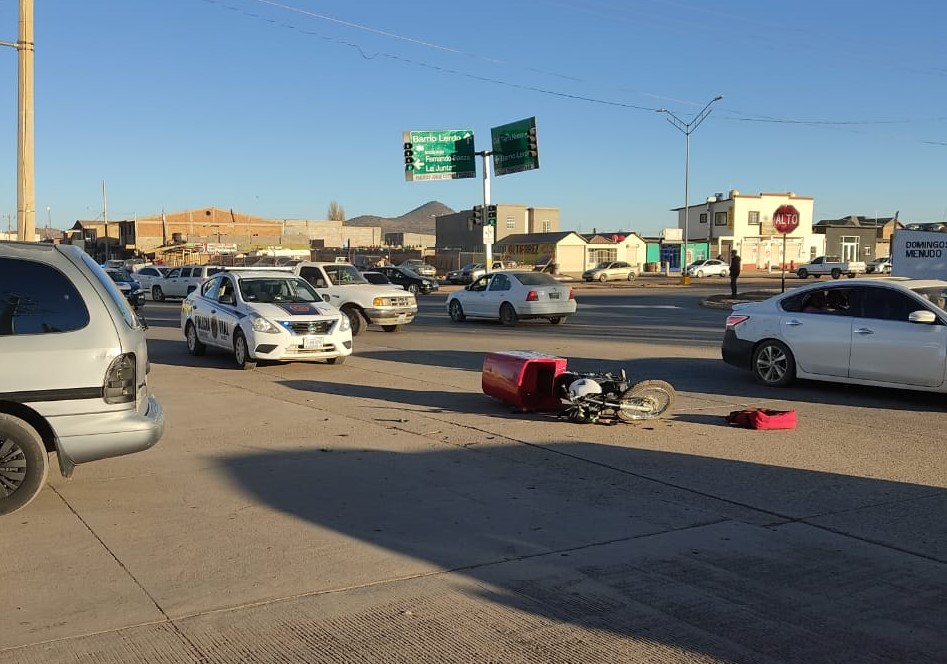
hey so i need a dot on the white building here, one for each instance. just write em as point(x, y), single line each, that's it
point(744, 223)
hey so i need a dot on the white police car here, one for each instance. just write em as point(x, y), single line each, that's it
point(264, 315)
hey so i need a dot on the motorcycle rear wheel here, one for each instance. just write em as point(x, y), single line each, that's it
point(650, 399)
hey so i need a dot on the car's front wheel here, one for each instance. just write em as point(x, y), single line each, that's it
point(456, 311)
point(700, 274)
point(603, 278)
point(338, 359)
point(23, 464)
point(391, 328)
point(773, 364)
point(356, 321)
point(802, 273)
point(241, 352)
point(157, 294)
point(413, 288)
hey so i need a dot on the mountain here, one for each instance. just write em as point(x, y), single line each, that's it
point(418, 220)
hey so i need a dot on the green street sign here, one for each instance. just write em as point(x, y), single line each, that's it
point(439, 155)
point(515, 147)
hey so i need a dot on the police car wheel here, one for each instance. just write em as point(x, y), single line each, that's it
point(194, 345)
point(241, 353)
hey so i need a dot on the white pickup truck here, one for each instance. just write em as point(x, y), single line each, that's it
point(343, 286)
point(831, 266)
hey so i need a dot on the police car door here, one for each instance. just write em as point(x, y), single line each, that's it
point(225, 308)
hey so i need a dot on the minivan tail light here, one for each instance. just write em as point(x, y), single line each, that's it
point(735, 319)
point(571, 293)
point(532, 296)
point(120, 380)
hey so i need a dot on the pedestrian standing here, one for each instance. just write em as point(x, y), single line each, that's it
point(734, 272)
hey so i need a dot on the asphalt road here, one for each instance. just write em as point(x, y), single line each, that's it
point(385, 510)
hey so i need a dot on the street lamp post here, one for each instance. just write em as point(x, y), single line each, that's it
point(687, 128)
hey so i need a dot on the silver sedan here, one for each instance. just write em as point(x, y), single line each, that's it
point(513, 295)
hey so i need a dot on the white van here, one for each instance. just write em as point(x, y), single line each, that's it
point(73, 368)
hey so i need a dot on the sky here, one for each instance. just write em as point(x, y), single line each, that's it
point(279, 108)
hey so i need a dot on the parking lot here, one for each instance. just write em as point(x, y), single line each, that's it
point(385, 510)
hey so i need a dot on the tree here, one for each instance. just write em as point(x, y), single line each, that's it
point(336, 212)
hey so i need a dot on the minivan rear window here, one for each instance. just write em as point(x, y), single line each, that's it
point(127, 314)
point(36, 298)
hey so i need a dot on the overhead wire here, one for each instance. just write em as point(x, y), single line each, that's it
point(729, 114)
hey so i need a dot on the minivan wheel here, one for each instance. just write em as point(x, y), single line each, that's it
point(242, 353)
point(157, 294)
point(194, 345)
point(24, 464)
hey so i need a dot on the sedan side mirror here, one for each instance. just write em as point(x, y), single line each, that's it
point(922, 316)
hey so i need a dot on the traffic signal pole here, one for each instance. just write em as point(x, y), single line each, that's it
point(488, 235)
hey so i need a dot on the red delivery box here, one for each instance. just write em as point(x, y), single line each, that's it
point(523, 379)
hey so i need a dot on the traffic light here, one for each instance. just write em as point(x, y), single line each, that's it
point(477, 216)
point(532, 144)
point(409, 156)
point(491, 215)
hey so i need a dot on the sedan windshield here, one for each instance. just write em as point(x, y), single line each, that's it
point(274, 289)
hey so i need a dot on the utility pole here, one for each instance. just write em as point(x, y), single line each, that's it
point(489, 237)
point(25, 150)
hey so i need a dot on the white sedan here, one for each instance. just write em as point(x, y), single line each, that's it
point(263, 315)
point(513, 295)
point(887, 332)
point(710, 267)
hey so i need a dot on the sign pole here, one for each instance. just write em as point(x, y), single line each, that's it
point(783, 264)
point(488, 230)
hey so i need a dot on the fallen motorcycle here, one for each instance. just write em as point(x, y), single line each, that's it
point(587, 397)
point(531, 381)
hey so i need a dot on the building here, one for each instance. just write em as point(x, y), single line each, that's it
point(744, 223)
point(858, 238)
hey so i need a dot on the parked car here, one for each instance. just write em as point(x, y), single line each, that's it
point(75, 369)
point(130, 288)
point(374, 277)
point(181, 281)
point(477, 270)
point(264, 315)
point(879, 265)
point(884, 332)
point(409, 280)
point(513, 295)
point(419, 266)
point(709, 267)
point(457, 276)
point(149, 275)
point(831, 266)
point(611, 271)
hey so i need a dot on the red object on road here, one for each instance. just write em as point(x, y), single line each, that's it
point(523, 379)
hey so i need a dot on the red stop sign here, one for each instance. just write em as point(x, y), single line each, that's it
point(785, 219)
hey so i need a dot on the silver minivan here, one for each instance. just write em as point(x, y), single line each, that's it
point(73, 368)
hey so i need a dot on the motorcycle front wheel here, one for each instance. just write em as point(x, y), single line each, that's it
point(646, 400)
